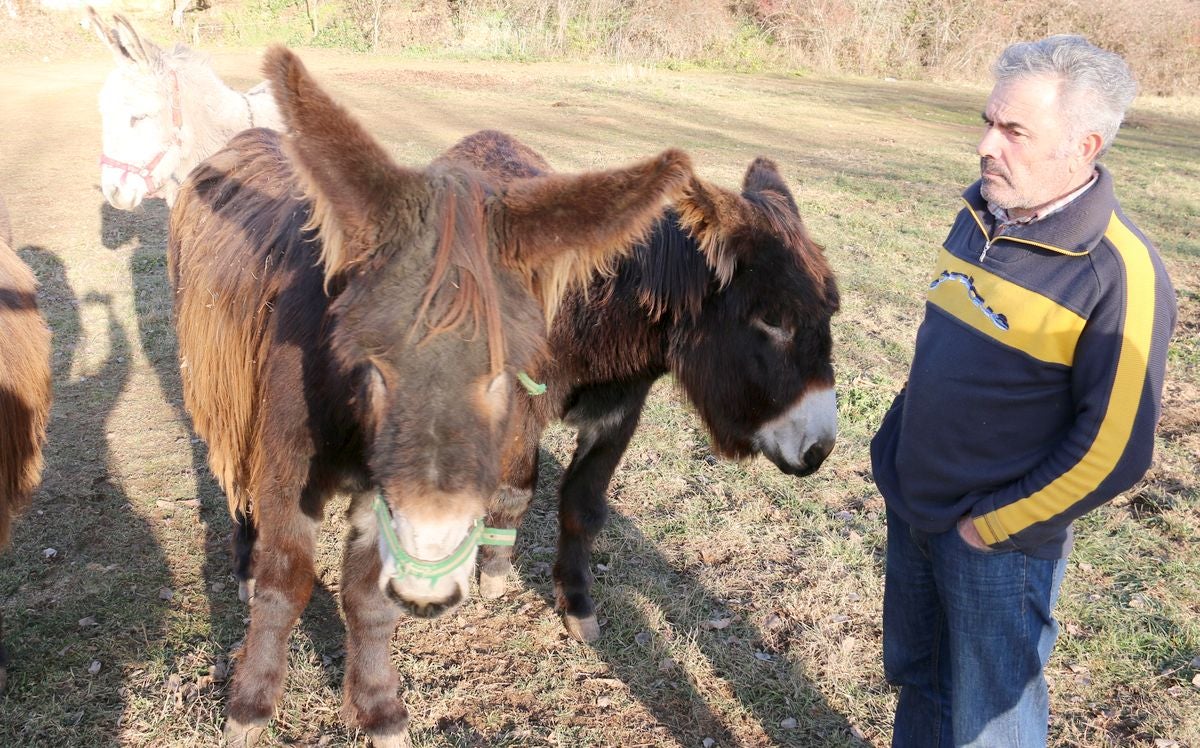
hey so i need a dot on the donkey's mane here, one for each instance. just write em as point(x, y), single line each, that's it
point(464, 249)
point(671, 276)
point(667, 271)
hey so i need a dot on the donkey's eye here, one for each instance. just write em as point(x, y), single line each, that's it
point(771, 319)
point(136, 119)
point(775, 327)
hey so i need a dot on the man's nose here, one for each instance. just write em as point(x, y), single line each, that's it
point(989, 144)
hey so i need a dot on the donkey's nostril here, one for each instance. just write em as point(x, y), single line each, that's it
point(817, 453)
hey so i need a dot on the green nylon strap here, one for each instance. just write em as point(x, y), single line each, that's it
point(407, 566)
point(532, 387)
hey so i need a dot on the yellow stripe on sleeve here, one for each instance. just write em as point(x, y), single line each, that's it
point(1106, 450)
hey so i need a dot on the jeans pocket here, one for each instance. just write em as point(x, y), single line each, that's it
point(978, 551)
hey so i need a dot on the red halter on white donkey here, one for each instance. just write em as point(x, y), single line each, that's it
point(145, 154)
point(154, 186)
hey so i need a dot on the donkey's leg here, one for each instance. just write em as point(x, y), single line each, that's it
point(509, 505)
point(606, 417)
point(243, 536)
point(284, 565)
point(508, 508)
point(370, 699)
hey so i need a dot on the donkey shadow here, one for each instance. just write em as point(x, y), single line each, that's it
point(143, 232)
point(673, 697)
point(91, 604)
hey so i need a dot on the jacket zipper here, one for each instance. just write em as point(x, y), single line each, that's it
point(992, 240)
point(986, 246)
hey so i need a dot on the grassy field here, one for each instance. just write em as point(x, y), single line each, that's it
point(739, 605)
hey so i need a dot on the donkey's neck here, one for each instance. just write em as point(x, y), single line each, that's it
point(212, 114)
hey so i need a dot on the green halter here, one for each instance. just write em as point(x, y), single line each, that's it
point(407, 566)
point(532, 387)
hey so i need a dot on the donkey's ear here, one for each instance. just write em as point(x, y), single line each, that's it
point(711, 215)
point(558, 230)
point(106, 34)
point(763, 176)
point(133, 47)
point(350, 180)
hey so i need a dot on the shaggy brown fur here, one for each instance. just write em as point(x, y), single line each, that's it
point(729, 294)
point(346, 323)
point(24, 387)
point(24, 382)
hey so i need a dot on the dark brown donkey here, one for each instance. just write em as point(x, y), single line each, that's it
point(349, 324)
point(731, 296)
point(24, 388)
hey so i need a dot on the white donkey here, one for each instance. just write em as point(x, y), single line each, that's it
point(164, 112)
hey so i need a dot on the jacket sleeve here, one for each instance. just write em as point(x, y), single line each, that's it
point(1116, 381)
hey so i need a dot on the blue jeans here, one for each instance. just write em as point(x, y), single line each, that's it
point(966, 634)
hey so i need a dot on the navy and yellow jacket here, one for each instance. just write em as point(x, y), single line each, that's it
point(1036, 376)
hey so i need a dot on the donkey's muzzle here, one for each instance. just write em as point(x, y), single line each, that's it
point(425, 608)
point(815, 455)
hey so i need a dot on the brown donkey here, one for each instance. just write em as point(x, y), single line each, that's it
point(728, 294)
point(349, 324)
point(24, 388)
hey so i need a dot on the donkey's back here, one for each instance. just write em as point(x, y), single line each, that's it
point(235, 244)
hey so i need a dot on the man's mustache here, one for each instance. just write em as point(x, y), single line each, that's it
point(989, 166)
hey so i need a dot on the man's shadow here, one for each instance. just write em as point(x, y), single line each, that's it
point(142, 233)
point(81, 581)
point(666, 689)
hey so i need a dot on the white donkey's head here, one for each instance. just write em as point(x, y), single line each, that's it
point(142, 117)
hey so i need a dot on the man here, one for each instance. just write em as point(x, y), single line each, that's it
point(1032, 399)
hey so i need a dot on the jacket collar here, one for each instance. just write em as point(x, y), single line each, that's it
point(1074, 230)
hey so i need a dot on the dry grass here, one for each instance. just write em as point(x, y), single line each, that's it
point(735, 599)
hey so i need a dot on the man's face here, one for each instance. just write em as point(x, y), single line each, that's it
point(1026, 158)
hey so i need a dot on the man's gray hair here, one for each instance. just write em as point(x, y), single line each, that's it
point(1097, 85)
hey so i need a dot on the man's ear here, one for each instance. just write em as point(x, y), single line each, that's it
point(1089, 147)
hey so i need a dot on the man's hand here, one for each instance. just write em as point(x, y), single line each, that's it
point(967, 531)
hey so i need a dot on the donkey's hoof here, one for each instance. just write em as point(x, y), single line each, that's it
point(3, 678)
point(241, 735)
point(492, 584)
point(585, 629)
point(392, 740)
point(246, 590)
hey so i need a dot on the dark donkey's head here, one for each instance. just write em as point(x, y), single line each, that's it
point(442, 284)
point(755, 357)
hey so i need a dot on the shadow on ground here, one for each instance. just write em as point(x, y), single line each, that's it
point(766, 688)
point(82, 577)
